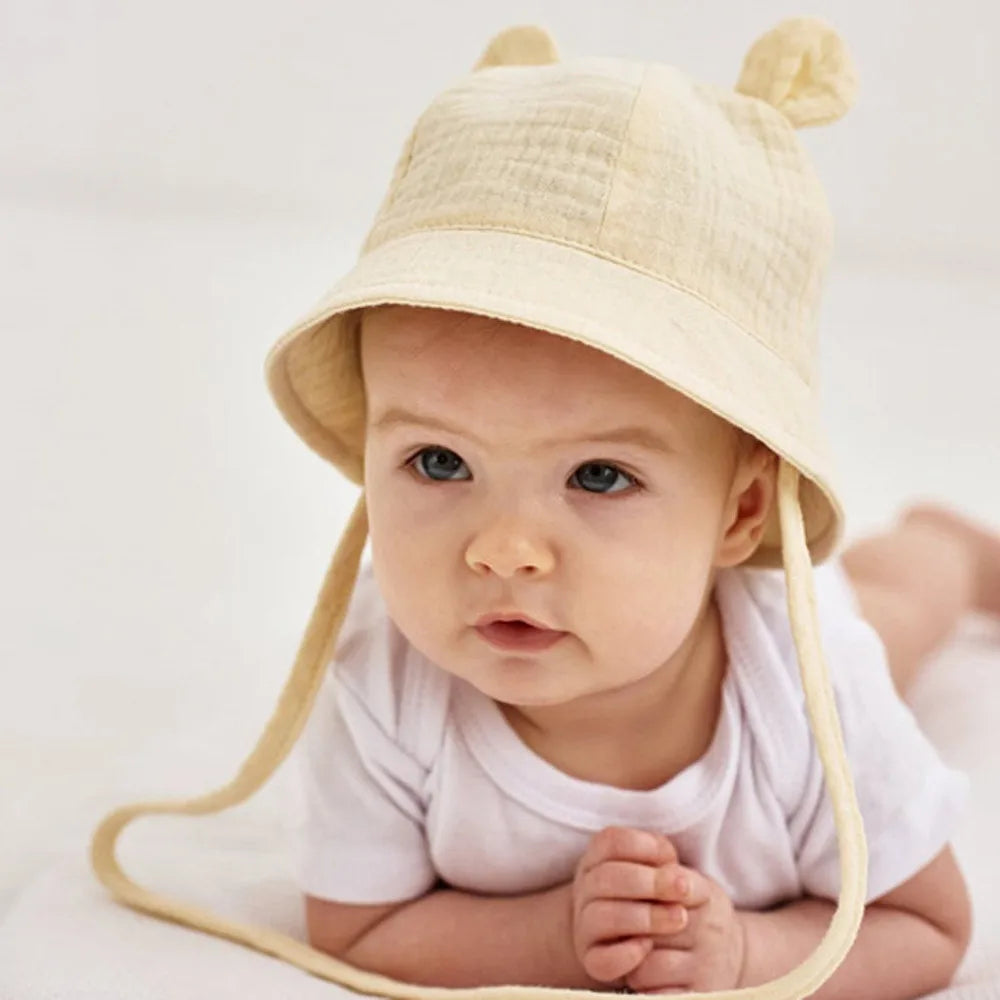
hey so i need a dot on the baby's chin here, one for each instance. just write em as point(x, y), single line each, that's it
point(537, 679)
point(523, 693)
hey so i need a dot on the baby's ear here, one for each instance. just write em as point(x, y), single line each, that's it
point(519, 45)
point(802, 68)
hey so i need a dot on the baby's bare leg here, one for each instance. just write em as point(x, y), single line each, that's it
point(916, 581)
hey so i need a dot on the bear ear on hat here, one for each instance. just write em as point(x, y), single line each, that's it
point(520, 45)
point(802, 68)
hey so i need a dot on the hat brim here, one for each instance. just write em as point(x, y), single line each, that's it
point(662, 329)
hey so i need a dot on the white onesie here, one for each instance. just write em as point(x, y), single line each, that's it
point(405, 774)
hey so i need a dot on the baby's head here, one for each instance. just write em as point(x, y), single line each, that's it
point(509, 499)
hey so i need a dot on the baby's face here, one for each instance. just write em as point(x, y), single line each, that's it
point(511, 501)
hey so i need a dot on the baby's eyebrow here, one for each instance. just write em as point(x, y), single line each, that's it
point(643, 437)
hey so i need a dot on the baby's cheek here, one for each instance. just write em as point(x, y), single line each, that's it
point(638, 634)
point(666, 635)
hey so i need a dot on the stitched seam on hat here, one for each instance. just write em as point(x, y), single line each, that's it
point(700, 398)
point(634, 265)
point(618, 158)
point(759, 415)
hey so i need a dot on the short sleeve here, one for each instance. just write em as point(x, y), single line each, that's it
point(358, 836)
point(910, 800)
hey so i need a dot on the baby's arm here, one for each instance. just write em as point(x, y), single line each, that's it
point(910, 942)
point(454, 939)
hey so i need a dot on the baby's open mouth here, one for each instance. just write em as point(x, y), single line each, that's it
point(519, 635)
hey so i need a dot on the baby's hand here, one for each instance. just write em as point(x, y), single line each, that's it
point(621, 901)
point(708, 953)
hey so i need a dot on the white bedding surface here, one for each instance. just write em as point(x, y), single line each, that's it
point(62, 937)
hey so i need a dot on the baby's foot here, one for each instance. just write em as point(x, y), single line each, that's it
point(983, 543)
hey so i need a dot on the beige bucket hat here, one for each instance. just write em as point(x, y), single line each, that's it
point(677, 226)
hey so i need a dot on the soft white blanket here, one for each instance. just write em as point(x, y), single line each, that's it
point(63, 938)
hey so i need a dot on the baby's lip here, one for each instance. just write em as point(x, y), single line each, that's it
point(512, 616)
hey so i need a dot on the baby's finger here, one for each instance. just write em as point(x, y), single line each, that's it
point(625, 843)
point(611, 919)
point(624, 880)
point(662, 969)
point(679, 884)
point(608, 962)
point(684, 939)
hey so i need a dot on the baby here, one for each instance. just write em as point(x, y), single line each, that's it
point(606, 709)
point(621, 793)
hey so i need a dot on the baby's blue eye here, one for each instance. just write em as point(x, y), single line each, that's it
point(602, 474)
point(446, 462)
point(443, 461)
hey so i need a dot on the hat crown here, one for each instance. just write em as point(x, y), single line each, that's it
point(700, 186)
point(673, 224)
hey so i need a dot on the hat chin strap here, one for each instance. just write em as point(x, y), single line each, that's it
point(810, 974)
point(296, 701)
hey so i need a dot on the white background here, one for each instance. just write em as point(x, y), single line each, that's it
point(179, 181)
